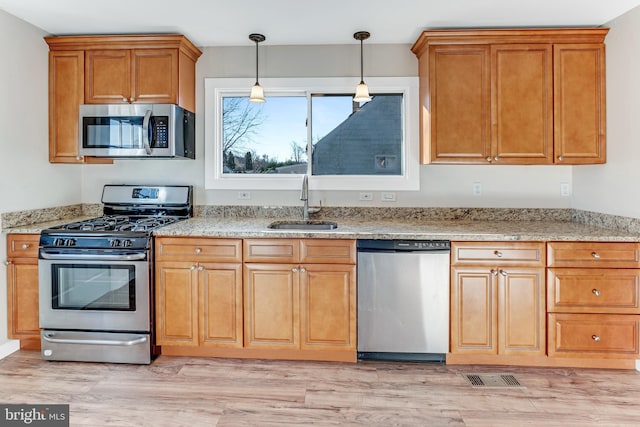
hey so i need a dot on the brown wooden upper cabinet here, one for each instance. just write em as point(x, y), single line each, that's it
point(112, 70)
point(525, 96)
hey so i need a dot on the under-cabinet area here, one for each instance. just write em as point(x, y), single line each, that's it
point(262, 298)
point(528, 303)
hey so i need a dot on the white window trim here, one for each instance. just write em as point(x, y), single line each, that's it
point(215, 88)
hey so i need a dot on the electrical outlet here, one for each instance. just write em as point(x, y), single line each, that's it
point(565, 189)
point(244, 195)
point(388, 197)
point(476, 189)
point(366, 196)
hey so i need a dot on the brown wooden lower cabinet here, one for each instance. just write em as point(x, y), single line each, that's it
point(22, 289)
point(277, 304)
point(594, 335)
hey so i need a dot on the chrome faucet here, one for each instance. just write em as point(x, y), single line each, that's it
point(304, 195)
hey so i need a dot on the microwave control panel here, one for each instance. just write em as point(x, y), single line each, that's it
point(161, 131)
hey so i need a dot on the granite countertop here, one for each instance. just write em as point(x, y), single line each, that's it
point(402, 229)
point(399, 226)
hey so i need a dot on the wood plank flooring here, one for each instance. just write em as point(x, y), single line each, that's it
point(185, 391)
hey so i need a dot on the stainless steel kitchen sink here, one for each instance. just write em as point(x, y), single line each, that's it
point(303, 225)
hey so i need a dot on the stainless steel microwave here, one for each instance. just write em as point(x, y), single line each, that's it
point(137, 131)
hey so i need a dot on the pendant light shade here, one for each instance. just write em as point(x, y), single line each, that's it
point(257, 93)
point(362, 91)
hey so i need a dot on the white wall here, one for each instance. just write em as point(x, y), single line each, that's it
point(613, 188)
point(447, 186)
point(27, 180)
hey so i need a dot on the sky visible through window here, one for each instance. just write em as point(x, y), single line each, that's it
point(282, 121)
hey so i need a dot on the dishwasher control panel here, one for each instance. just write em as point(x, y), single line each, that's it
point(418, 245)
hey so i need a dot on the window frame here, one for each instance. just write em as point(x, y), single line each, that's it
point(217, 88)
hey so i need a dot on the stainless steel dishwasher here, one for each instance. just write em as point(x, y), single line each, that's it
point(403, 299)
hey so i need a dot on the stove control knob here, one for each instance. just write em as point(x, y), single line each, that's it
point(114, 243)
point(70, 242)
point(127, 243)
point(58, 242)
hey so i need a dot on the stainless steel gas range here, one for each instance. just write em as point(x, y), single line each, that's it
point(96, 276)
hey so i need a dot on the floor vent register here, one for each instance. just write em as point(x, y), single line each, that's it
point(493, 381)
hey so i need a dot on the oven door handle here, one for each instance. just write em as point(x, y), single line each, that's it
point(85, 257)
point(135, 341)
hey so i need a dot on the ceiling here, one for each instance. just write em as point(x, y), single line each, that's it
point(285, 22)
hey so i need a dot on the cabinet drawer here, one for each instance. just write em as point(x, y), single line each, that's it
point(328, 251)
point(22, 245)
point(493, 253)
point(592, 254)
point(271, 250)
point(593, 335)
point(198, 249)
point(593, 290)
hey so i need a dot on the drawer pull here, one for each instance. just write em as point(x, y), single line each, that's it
point(26, 246)
point(595, 338)
point(498, 254)
point(595, 292)
point(198, 250)
point(596, 255)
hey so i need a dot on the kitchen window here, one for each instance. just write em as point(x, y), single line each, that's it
point(312, 126)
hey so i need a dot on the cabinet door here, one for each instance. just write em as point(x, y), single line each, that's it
point(22, 286)
point(474, 314)
point(459, 105)
point(108, 76)
point(271, 306)
point(579, 103)
point(328, 307)
point(521, 311)
point(220, 300)
point(155, 75)
point(176, 304)
point(522, 104)
point(66, 93)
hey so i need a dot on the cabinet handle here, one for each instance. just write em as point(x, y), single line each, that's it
point(560, 158)
point(193, 267)
point(198, 250)
point(494, 272)
point(498, 254)
point(7, 263)
point(303, 270)
point(595, 338)
point(496, 158)
point(595, 292)
point(596, 255)
point(200, 268)
point(78, 158)
point(488, 159)
point(124, 99)
point(295, 270)
point(132, 99)
point(25, 246)
point(504, 273)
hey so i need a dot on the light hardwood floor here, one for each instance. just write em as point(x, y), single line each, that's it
point(185, 391)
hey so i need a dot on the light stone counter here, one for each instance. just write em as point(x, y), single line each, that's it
point(369, 223)
point(464, 230)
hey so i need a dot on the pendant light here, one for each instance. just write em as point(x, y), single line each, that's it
point(362, 91)
point(257, 94)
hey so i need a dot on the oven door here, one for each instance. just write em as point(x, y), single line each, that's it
point(94, 290)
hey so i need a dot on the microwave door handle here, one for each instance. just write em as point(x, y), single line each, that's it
point(145, 132)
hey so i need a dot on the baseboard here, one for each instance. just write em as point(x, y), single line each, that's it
point(9, 347)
